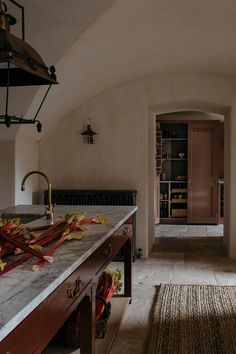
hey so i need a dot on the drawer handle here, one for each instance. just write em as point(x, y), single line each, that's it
point(108, 251)
point(71, 293)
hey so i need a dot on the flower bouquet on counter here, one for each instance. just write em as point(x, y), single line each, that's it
point(39, 241)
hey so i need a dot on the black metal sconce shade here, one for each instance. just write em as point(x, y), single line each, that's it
point(89, 133)
point(20, 65)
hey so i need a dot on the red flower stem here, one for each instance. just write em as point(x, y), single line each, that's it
point(6, 248)
point(49, 235)
point(37, 228)
point(51, 238)
point(88, 221)
point(25, 248)
point(42, 242)
point(15, 264)
point(23, 259)
point(46, 234)
point(49, 252)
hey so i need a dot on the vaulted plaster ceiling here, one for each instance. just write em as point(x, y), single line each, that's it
point(98, 44)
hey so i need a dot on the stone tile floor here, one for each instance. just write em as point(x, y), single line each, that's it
point(174, 261)
point(198, 260)
point(170, 230)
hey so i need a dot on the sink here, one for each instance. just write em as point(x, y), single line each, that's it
point(25, 218)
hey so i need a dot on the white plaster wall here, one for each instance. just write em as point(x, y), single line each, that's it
point(26, 160)
point(231, 195)
point(117, 160)
point(229, 188)
point(122, 156)
point(7, 188)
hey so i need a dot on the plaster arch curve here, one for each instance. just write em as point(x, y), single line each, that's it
point(123, 117)
point(190, 105)
point(208, 107)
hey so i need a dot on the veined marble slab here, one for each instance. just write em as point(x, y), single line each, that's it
point(22, 290)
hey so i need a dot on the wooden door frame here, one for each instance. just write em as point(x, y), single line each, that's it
point(209, 107)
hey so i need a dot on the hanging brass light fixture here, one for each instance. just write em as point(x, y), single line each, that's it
point(20, 65)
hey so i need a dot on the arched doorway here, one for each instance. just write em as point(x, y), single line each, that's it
point(197, 107)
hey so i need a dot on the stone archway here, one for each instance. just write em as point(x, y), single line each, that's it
point(198, 106)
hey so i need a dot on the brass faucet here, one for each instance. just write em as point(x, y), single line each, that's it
point(49, 208)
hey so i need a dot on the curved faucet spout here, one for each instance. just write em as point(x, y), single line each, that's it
point(49, 208)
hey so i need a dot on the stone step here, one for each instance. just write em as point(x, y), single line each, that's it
point(193, 244)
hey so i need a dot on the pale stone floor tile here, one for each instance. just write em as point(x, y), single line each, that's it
point(183, 274)
point(133, 324)
point(197, 229)
point(166, 230)
point(214, 233)
point(129, 345)
point(218, 228)
point(169, 230)
point(226, 276)
point(192, 233)
point(145, 281)
point(211, 263)
point(166, 258)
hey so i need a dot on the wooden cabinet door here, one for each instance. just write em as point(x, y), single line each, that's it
point(202, 173)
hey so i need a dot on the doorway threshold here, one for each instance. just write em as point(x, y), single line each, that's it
point(188, 231)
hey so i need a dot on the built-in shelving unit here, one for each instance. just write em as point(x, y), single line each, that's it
point(158, 150)
point(173, 178)
point(190, 187)
point(173, 199)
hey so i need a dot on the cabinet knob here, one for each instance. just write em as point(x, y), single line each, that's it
point(72, 292)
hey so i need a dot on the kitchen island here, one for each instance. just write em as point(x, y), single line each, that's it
point(34, 305)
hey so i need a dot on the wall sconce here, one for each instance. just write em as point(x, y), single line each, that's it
point(20, 65)
point(89, 133)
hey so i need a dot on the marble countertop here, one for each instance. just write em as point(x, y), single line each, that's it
point(22, 290)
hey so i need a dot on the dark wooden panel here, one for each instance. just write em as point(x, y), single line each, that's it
point(202, 162)
point(203, 202)
point(26, 338)
point(62, 299)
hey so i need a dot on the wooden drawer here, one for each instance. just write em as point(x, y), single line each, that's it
point(65, 298)
point(58, 306)
point(105, 254)
point(179, 213)
point(124, 230)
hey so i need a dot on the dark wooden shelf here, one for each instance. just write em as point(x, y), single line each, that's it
point(179, 200)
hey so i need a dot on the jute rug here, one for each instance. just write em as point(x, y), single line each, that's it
point(193, 319)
